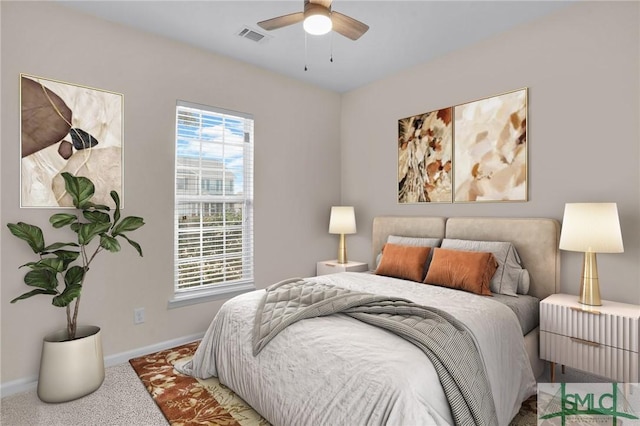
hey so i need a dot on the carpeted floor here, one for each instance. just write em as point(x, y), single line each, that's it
point(121, 401)
point(185, 400)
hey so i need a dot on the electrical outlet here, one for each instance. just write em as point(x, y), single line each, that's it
point(138, 315)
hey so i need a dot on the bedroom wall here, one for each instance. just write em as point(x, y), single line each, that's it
point(296, 176)
point(581, 66)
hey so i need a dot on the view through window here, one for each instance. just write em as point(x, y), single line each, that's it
point(213, 199)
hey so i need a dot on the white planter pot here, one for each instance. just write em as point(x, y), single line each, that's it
point(71, 369)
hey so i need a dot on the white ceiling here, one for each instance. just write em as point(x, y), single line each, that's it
point(401, 34)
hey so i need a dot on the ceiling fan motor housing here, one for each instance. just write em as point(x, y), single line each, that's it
point(316, 9)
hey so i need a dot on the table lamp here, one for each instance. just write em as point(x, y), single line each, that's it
point(591, 228)
point(342, 221)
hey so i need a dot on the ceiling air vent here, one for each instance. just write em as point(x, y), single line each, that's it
point(252, 35)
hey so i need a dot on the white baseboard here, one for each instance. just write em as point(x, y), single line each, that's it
point(122, 357)
point(18, 386)
point(29, 383)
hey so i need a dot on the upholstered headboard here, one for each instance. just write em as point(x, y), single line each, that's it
point(536, 240)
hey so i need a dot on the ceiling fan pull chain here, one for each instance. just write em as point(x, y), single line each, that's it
point(305, 50)
point(331, 44)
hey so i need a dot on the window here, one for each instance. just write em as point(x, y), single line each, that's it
point(213, 221)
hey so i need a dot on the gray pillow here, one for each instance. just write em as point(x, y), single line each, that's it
point(510, 275)
point(523, 282)
point(412, 241)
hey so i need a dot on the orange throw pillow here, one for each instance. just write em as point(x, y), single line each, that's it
point(406, 262)
point(462, 270)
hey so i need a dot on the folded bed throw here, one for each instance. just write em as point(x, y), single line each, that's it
point(441, 337)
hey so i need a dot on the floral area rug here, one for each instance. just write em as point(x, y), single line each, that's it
point(528, 415)
point(187, 401)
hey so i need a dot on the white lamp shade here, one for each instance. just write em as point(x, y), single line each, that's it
point(343, 220)
point(591, 227)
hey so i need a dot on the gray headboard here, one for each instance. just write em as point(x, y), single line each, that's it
point(535, 239)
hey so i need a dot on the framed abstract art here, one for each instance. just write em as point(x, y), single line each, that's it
point(490, 149)
point(68, 128)
point(424, 157)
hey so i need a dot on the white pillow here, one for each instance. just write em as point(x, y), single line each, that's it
point(510, 277)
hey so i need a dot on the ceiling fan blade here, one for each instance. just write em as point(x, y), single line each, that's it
point(281, 21)
point(347, 26)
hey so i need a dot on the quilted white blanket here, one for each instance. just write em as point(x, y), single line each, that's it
point(336, 370)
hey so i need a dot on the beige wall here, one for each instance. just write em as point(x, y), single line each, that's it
point(296, 175)
point(581, 68)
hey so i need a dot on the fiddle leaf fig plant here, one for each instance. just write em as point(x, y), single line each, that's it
point(61, 268)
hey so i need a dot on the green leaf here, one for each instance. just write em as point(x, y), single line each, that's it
point(74, 276)
point(109, 243)
point(59, 220)
point(53, 264)
point(88, 231)
point(70, 292)
point(96, 216)
point(55, 246)
point(116, 200)
point(97, 206)
point(67, 256)
point(73, 286)
point(29, 233)
point(43, 278)
point(33, 293)
point(129, 223)
point(75, 227)
point(133, 243)
point(79, 188)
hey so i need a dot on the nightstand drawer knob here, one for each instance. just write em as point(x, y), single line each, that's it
point(586, 342)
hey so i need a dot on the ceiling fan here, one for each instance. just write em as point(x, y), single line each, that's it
point(319, 19)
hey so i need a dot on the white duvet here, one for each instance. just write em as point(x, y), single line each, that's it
point(336, 370)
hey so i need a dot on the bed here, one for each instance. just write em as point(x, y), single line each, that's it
point(336, 369)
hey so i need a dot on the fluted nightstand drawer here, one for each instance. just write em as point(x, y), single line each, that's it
point(613, 324)
point(614, 363)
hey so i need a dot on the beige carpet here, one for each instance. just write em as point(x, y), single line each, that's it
point(187, 401)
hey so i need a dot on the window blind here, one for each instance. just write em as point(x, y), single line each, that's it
point(213, 198)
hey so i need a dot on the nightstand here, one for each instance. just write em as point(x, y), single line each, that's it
point(332, 266)
point(601, 340)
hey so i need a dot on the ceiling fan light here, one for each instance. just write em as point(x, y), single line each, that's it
point(317, 24)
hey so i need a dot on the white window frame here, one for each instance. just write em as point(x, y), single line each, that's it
point(221, 290)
